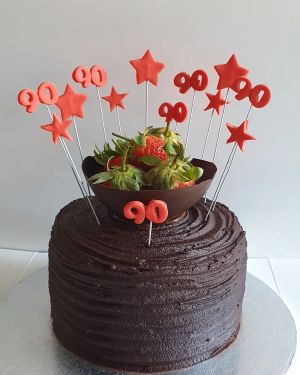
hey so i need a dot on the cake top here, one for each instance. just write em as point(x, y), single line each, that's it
point(149, 176)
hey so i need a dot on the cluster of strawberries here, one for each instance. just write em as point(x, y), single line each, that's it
point(154, 159)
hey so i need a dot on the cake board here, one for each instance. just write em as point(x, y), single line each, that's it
point(265, 345)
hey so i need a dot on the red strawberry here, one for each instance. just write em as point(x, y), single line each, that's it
point(116, 161)
point(154, 147)
point(181, 185)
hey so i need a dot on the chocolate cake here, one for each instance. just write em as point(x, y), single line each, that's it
point(122, 304)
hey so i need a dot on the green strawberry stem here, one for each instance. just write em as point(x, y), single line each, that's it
point(124, 157)
point(122, 137)
point(167, 128)
point(175, 160)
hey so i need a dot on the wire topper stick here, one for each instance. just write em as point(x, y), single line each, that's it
point(259, 97)
point(96, 76)
point(59, 129)
point(147, 70)
point(228, 74)
point(215, 103)
point(198, 81)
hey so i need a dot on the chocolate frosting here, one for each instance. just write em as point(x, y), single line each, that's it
point(124, 305)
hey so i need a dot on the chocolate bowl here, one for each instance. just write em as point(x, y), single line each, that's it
point(178, 200)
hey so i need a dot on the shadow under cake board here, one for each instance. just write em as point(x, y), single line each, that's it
point(265, 345)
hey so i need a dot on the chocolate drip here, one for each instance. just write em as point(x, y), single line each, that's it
point(121, 304)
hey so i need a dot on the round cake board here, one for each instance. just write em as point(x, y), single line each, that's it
point(265, 345)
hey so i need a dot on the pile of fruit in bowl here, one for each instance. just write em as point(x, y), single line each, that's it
point(152, 160)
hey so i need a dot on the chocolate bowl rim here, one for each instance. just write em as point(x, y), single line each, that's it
point(150, 190)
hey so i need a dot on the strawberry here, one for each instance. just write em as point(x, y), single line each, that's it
point(181, 184)
point(174, 174)
point(123, 176)
point(115, 161)
point(153, 147)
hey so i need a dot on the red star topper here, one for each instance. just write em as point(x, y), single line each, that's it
point(58, 128)
point(215, 101)
point(147, 69)
point(115, 99)
point(230, 72)
point(70, 103)
point(239, 134)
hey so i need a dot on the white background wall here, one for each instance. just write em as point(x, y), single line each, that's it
point(44, 40)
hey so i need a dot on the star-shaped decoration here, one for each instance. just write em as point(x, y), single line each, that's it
point(147, 69)
point(215, 101)
point(71, 103)
point(239, 134)
point(115, 99)
point(58, 128)
point(230, 72)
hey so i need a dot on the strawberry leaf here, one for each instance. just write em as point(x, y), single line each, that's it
point(194, 173)
point(101, 177)
point(170, 149)
point(151, 160)
point(140, 140)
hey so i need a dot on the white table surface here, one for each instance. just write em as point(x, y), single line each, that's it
point(282, 275)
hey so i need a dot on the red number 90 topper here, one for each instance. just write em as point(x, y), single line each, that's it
point(259, 95)
point(178, 112)
point(96, 76)
point(47, 93)
point(155, 211)
point(198, 81)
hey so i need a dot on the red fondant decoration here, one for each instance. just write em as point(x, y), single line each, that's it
point(135, 210)
point(239, 134)
point(260, 101)
point(48, 93)
point(29, 99)
point(199, 80)
point(82, 75)
point(178, 112)
point(115, 99)
point(183, 81)
point(71, 103)
point(59, 128)
point(215, 101)
point(157, 211)
point(147, 69)
point(230, 72)
point(166, 110)
point(242, 91)
point(99, 76)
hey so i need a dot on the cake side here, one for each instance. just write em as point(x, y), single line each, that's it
point(121, 304)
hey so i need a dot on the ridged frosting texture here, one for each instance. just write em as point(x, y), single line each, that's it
point(124, 305)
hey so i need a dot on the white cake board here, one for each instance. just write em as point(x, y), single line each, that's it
point(265, 345)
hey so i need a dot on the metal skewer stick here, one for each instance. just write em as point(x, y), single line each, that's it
point(224, 178)
point(77, 138)
point(150, 233)
point(119, 122)
point(75, 171)
point(207, 133)
point(220, 126)
point(176, 126)
point(147, 104)
point(79, 147)
point(101, 114)
point(225, 173)
point(190, 121)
